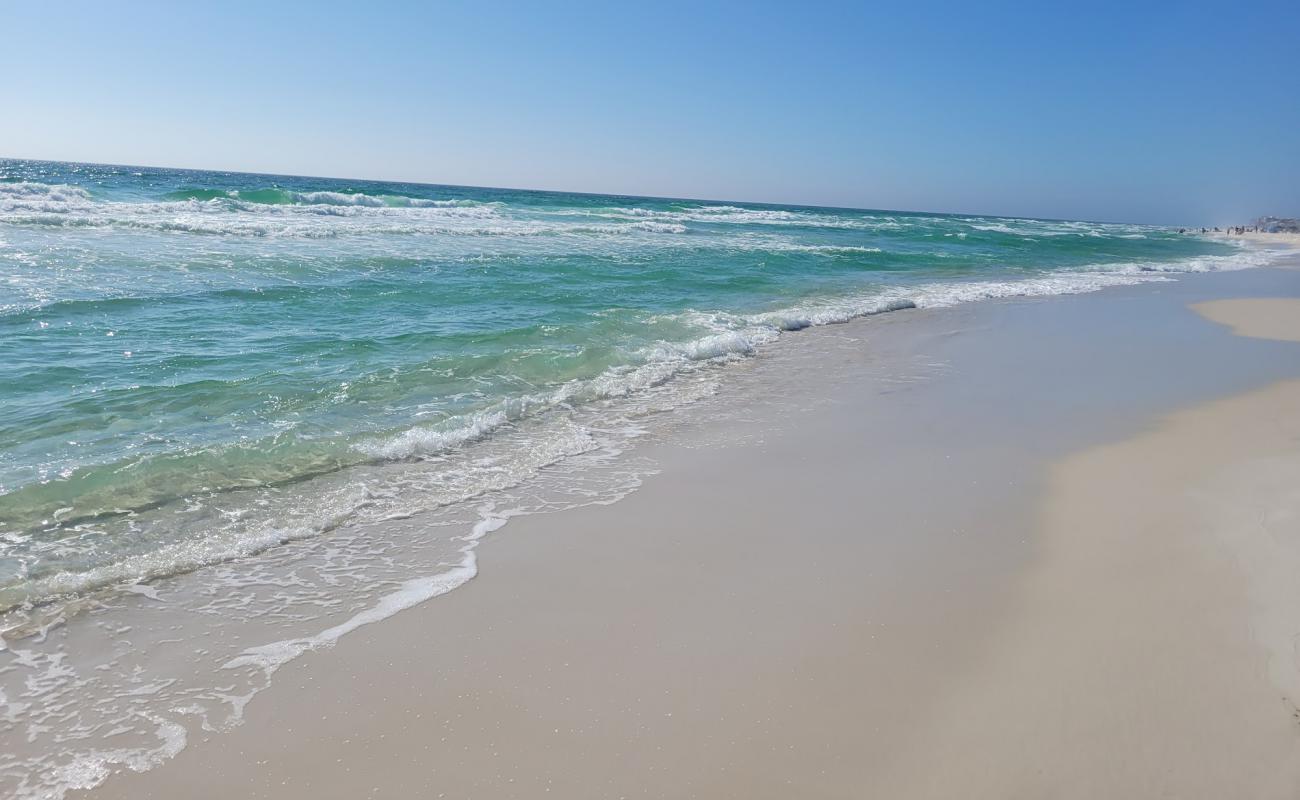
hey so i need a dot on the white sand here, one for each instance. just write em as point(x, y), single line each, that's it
point(1151, 652)
point(1260, 318)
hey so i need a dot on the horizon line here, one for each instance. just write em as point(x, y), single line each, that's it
point(593, 194)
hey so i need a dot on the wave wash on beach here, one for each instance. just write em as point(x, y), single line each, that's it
point(246, 414)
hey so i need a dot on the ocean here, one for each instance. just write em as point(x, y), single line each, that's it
point(242, 415)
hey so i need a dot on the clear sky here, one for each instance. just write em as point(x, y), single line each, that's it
point(1152, 112)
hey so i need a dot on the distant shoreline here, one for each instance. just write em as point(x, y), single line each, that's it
point(1283, 240)
point(623, 195)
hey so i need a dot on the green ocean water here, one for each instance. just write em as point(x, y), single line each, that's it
point(170, 340)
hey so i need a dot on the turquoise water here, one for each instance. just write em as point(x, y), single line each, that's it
point(176, 340)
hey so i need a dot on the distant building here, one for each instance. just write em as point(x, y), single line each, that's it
point(1278, 225)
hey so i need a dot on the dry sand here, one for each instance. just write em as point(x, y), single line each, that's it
point(1152, 648)
point(861, 598)
point(1260, 318)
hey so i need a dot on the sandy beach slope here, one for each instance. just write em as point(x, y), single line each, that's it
point(1261, 318)
point(1016, 549)
point(1151, 652)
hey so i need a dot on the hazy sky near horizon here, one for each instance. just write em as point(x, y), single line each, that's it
point(1182, 113)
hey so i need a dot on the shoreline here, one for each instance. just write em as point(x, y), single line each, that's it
point(760, 330)
point(1278, 241)
point(715, 579)
point(166, 690)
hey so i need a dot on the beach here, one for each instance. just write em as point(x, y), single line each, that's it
point(334, 488)
point(1021, 548)
point(618, 402)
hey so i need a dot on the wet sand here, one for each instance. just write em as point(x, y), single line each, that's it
point(965, 552)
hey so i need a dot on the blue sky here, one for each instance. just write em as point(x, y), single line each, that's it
point(1159, 112)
